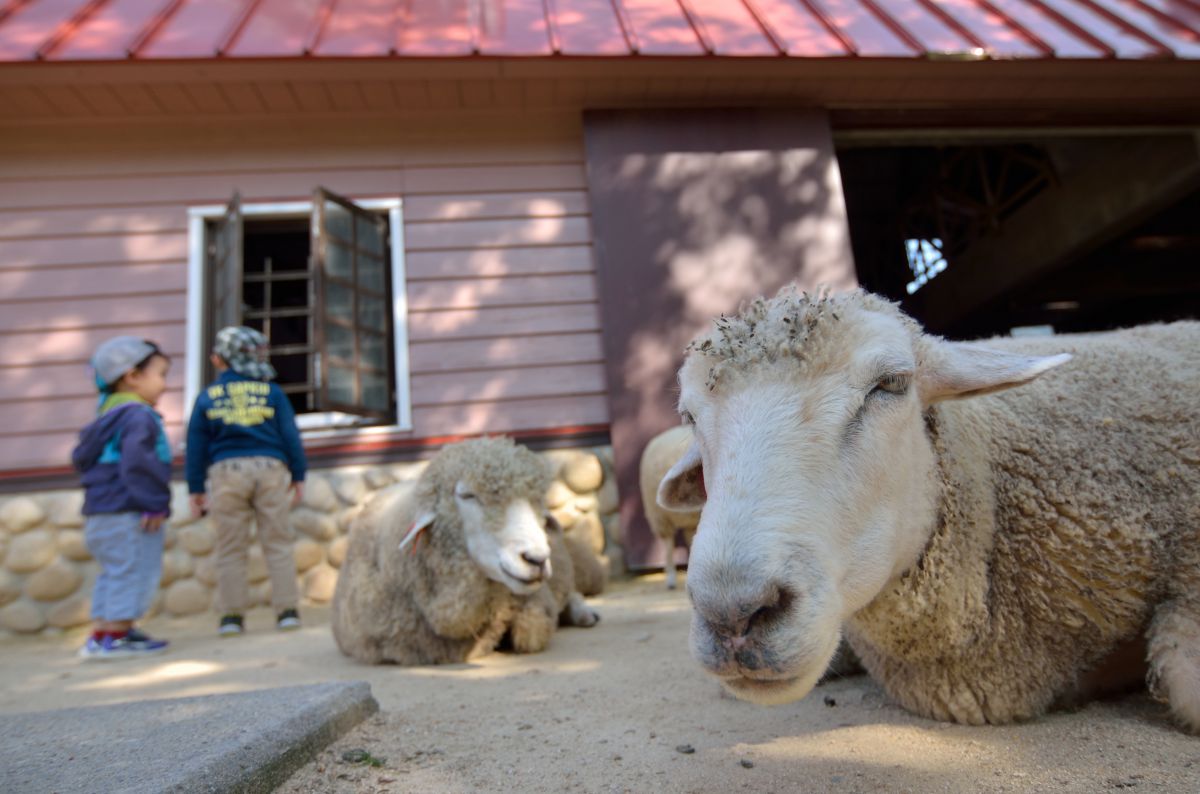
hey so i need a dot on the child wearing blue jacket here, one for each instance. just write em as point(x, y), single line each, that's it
point(125, 461)
point(242, 438)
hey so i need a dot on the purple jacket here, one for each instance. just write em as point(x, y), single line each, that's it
point(125, 460)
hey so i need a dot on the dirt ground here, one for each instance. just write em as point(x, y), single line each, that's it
point(617, 708)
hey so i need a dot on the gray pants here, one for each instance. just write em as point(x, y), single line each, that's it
point(242, 491)
point(130, 565)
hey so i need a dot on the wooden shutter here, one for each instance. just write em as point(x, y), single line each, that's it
point(353, 323)
point(224, 275)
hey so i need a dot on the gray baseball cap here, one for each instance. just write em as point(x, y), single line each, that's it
point(117, 356)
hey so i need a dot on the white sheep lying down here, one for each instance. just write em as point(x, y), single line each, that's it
point(657, 459)
point(987, 558)
point(443, 569)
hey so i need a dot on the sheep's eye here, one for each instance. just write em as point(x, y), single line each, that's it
point(895, 384)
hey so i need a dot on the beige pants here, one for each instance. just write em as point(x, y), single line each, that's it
point(243, 490)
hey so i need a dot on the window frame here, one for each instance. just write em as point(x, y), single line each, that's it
point(313, 425)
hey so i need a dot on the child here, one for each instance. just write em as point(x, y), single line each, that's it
point(243, 436)
point(125, 460)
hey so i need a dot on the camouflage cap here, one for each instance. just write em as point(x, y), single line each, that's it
point(118, 356)
point(245, 351)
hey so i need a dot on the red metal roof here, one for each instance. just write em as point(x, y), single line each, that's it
point(72, 30)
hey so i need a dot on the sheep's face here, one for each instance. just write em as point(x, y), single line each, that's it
point(506, 537)
point(815, 474)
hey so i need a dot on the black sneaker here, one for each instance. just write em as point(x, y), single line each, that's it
point(141, 641)
point(288, 620)
point(231, 626)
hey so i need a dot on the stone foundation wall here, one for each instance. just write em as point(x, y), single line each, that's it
point(46, 572)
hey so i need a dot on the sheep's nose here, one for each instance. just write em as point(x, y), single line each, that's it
point(536, 558)
point(735, 624)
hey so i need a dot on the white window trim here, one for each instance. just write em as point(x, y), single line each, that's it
point(197, 218)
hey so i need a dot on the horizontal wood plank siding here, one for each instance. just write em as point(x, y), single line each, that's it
point(503, 326)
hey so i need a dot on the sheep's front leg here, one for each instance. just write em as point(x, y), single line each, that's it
point(578, 613)
point(1174, 654)
point(534, 623)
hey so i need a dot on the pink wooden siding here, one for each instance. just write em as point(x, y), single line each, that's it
point(503, 326)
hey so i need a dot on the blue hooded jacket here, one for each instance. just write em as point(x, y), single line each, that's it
point(125, 460)
point(238, 417)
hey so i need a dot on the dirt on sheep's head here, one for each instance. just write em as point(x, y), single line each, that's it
point(491, 492)
point(813, 465)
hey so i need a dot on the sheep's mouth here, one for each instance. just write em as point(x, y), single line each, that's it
point(768, 691)
point(528, 581)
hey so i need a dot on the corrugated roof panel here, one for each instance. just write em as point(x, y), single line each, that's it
point(518, 28)
point(661, 28)
point(195, 30)
point(927, 27)
point(110, 31)
point(436, 27)
point(730, 28)
point(869, 33)
point(1167, 22)
point(361, 28)
point(33, 25)
point(588, 27)
point(1125, 40)
point(1065, 41)
point(277, 28)
point(1000, 36)
point(799, 30)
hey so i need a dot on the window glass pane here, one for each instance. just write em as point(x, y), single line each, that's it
point(371, 273)
point(338, 221)
point(371, 311)
point(339, 261)
point(339, 342)
point(370, 235)
point(373, 349)
point(341, 384)
point(339, 302)
point(375, 391)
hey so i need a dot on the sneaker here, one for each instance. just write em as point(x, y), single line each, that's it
point(288, 620)
point(143, 642)
point(114, 648)
point(231, 626)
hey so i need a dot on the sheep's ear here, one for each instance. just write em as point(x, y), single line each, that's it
point(954, 370)
point(424, 521)
point(683, 486)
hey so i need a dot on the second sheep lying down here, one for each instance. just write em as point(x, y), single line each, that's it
point(444, 569)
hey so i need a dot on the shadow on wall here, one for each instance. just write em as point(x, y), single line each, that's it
point(694, 213)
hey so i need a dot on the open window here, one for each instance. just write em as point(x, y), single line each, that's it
point(320, 281)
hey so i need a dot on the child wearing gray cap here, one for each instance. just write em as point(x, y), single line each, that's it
point(125, 462)
point(244, 456)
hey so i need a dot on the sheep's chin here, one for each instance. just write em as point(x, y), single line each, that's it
point(516, 585)
point(773, 692)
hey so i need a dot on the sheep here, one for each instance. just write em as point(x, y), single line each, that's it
point(443, 569)
point(657, 458)
point(987, 558)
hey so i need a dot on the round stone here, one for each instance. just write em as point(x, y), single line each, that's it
point(72, 545)
point(584, 473)
point(259, 594)
point(319, 584)
point(590, 530)
point(30, 551)
point(187, 597)
point(56, 581)
point(586, 504)
point(565, 515)
point(75, 611)
point(22, 617)
point(349, 486)
point(10, 587)
point(307, 554)
point(337, 551)
point(319, 496)
point(346, 518)
point(256, 565)
point(21, 514)
point(378, 478)
point(558, 495)
point(181, 507)
point(206, 570)
point(608, 499)
point(318, 526)
point(66, 510)
point(177, 564)
point(199, 538)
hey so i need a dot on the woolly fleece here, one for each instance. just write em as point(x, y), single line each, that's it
point(657, 458)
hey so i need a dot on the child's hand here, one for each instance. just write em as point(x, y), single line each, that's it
point(199, 503)
point(297, 493)
point(152, 522)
